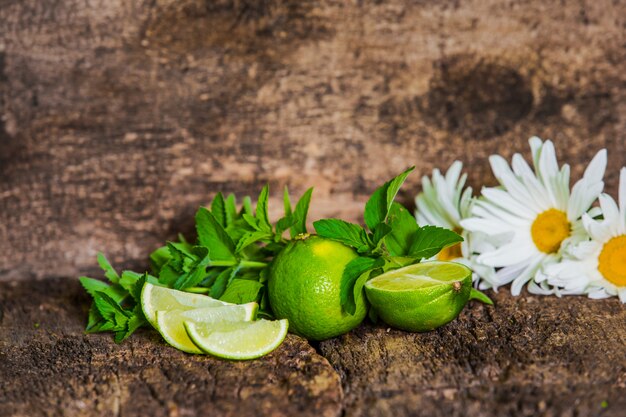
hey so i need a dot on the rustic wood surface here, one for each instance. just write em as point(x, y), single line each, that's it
point(526, 356)
point(119, 117)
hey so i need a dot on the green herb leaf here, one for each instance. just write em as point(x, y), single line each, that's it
point(351, 273)
point(403, 230)
point(212, 235)
point(230, 209)
point(109, 272)
point(429, 240)
point(283, 224)
point(221, 282)
point(92, 286)
point(347, 233)
point(158, 258)
point(110, 310)
point(262, 213)
point(286, 202)
point(196, 270)
point(300, 214)
point(247, 206)
point(378, 205)
point(250, 238)
point(380, 231)
point(94, 320)
point(218, 208)
point(242, 291)
point(479, 296)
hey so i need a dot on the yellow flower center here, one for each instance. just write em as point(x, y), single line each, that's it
point(451, 252)
point(612, 261)
point(549, 229)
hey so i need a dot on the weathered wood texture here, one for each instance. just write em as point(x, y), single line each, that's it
point(118, 118)
point(528, 356)
point(49, 367)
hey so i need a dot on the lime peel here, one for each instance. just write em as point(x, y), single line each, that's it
point(240, 340)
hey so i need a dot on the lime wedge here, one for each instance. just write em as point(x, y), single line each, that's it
point(170, 323)
point(420, 297)
point(155, 298)
point(241, 340)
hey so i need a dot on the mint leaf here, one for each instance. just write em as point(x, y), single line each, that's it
point(251, 221)
point(212, 235)
point(221, 282)
point(380, 231)
point(195, 272)
point(218, 208)
point(159, 258)
point(477, 295)
point(94, 320)
point(351, 273)
point(247, 206)
point(241, 291)
point(92, 286)
point(378, 205)
point(110, 310)
point(283, 224)
point(230, 209)
point(109, 272)
point(403, 230)
point(429, 240)
point(347, 233)
point(250, 238)
point(300, 214)
point(262, 214)
point(286, 202)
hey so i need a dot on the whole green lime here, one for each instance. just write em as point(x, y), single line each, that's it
point(422, 297)
point(304, 287)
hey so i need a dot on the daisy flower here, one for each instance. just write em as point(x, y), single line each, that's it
point(533, 215)
point(598, 266)
point(444, 203)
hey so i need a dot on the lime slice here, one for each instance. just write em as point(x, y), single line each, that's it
point(155, 298)
point(241, 340)
point(170, 323)
point(420, 297)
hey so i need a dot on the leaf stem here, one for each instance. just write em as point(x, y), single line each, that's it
point(243, 264)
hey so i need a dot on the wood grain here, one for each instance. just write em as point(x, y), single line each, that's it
point(119, 118)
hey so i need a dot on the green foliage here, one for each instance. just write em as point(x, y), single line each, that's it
point(235, 245)
point(392, 239)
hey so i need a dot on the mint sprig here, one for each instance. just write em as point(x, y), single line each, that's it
point(229, 261)
point(392, 239)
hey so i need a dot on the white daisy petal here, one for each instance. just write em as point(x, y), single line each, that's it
point(622, 194)
point(596, 168)
point(512, 253)
point(548, 166)
point(609, 209)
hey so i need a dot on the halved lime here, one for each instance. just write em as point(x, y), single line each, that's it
point(155, 298)
point(420, 297)
point(170, 323)
point(241, 340)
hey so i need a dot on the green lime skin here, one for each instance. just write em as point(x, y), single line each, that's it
point(304, 285)
point(420, 309)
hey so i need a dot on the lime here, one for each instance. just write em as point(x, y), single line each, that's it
point(304, 287)
point(154, 297)
point(239, 340)
point(170, 323)
point(420, 297)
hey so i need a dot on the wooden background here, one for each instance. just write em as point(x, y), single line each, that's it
point(119, 118)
